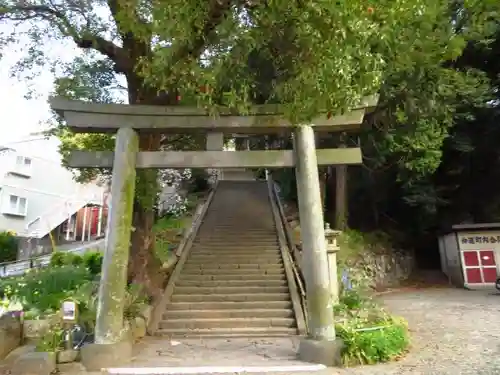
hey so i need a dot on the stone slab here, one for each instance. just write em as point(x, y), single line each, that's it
point(10, 335)
point(217, 159)
point(98, 356)
point(35, 363)
point(322, 352)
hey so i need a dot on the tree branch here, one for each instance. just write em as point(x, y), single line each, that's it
point(205, 34)
point(57, 18)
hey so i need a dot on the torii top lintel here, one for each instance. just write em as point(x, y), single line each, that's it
point(85, 117)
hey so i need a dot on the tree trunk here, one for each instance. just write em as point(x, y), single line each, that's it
point(239, 143)
point(323, 175)
point(341, 197)
point(144, 267)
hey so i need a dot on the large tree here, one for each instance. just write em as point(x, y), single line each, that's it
point(335, 53)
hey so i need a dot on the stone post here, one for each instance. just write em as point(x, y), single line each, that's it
point(99, 222)
point(84, 223)
point(111, 346)
point(68, 229)
point(332, 250)
point(215, 142)
point(321, 346)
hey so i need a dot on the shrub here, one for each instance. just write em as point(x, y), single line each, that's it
point(92, 260)
point(8, 246)
point(370, 334)
point(51, 341)
point(198, 181)
point(65, 258)
point(86, 297)
point(43, 290)
point(57, 259)
point(370, 345)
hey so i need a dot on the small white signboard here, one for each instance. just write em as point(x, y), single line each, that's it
point(69, 311)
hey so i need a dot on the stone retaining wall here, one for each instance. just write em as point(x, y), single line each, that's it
point(10, 334)
point(387, 270)
point(386, 267)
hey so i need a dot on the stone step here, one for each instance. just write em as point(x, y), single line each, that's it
point(238, 233)
point(228, 314)
point(214, 271)
point(261, 220)
point(238, 256)
point(225, 265)
point(229, 289)
point(235, 248)
point(226, 241)
point(229, 332)
point(208, 228)
point(200, 250)
point(226, 323)
point(236, 271)
point(217, 223)
point(253, 248)
point(213, 232)
point(241, 283)
point(245, 297)
point(235, 260)
point(246, 305)
point(236, 241)
point(235, 277)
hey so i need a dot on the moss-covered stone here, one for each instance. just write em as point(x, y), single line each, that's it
point(320, 306)
point(109, 322)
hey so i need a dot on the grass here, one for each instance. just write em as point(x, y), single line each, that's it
point(169, 230)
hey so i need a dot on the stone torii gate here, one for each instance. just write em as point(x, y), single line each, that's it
point(127, 121)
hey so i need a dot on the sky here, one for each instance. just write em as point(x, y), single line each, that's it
point(19, 115)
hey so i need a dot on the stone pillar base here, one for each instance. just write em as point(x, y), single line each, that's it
point(95, 357)
point(323, 352)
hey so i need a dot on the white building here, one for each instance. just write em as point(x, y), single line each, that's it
point(38, 197)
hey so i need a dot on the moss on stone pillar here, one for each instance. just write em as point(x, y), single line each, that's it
point(109, 323)
point(314, 257)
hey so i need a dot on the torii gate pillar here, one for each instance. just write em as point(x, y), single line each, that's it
point(321, 346)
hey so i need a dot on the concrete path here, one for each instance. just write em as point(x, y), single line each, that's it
point(455, 332)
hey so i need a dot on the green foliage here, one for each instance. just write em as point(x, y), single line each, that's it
point(91, 260)
point(370, 334)
point(167, 231)
point(65, 258)
point(8, 246)
point(135, 300)
point(51, 341)
point(351, 300)
point(199, 181)
point(334, 52)
point(376, 344)
point(42, 291)
point(86, 298)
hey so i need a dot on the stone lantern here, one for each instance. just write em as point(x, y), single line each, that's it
point(331, 250)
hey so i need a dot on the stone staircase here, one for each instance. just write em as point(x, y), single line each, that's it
point(233, 282)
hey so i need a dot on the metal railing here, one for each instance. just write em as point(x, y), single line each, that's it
point(294, 253)
point(19, 267)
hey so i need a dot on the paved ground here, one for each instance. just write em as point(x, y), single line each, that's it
point(455, 332)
